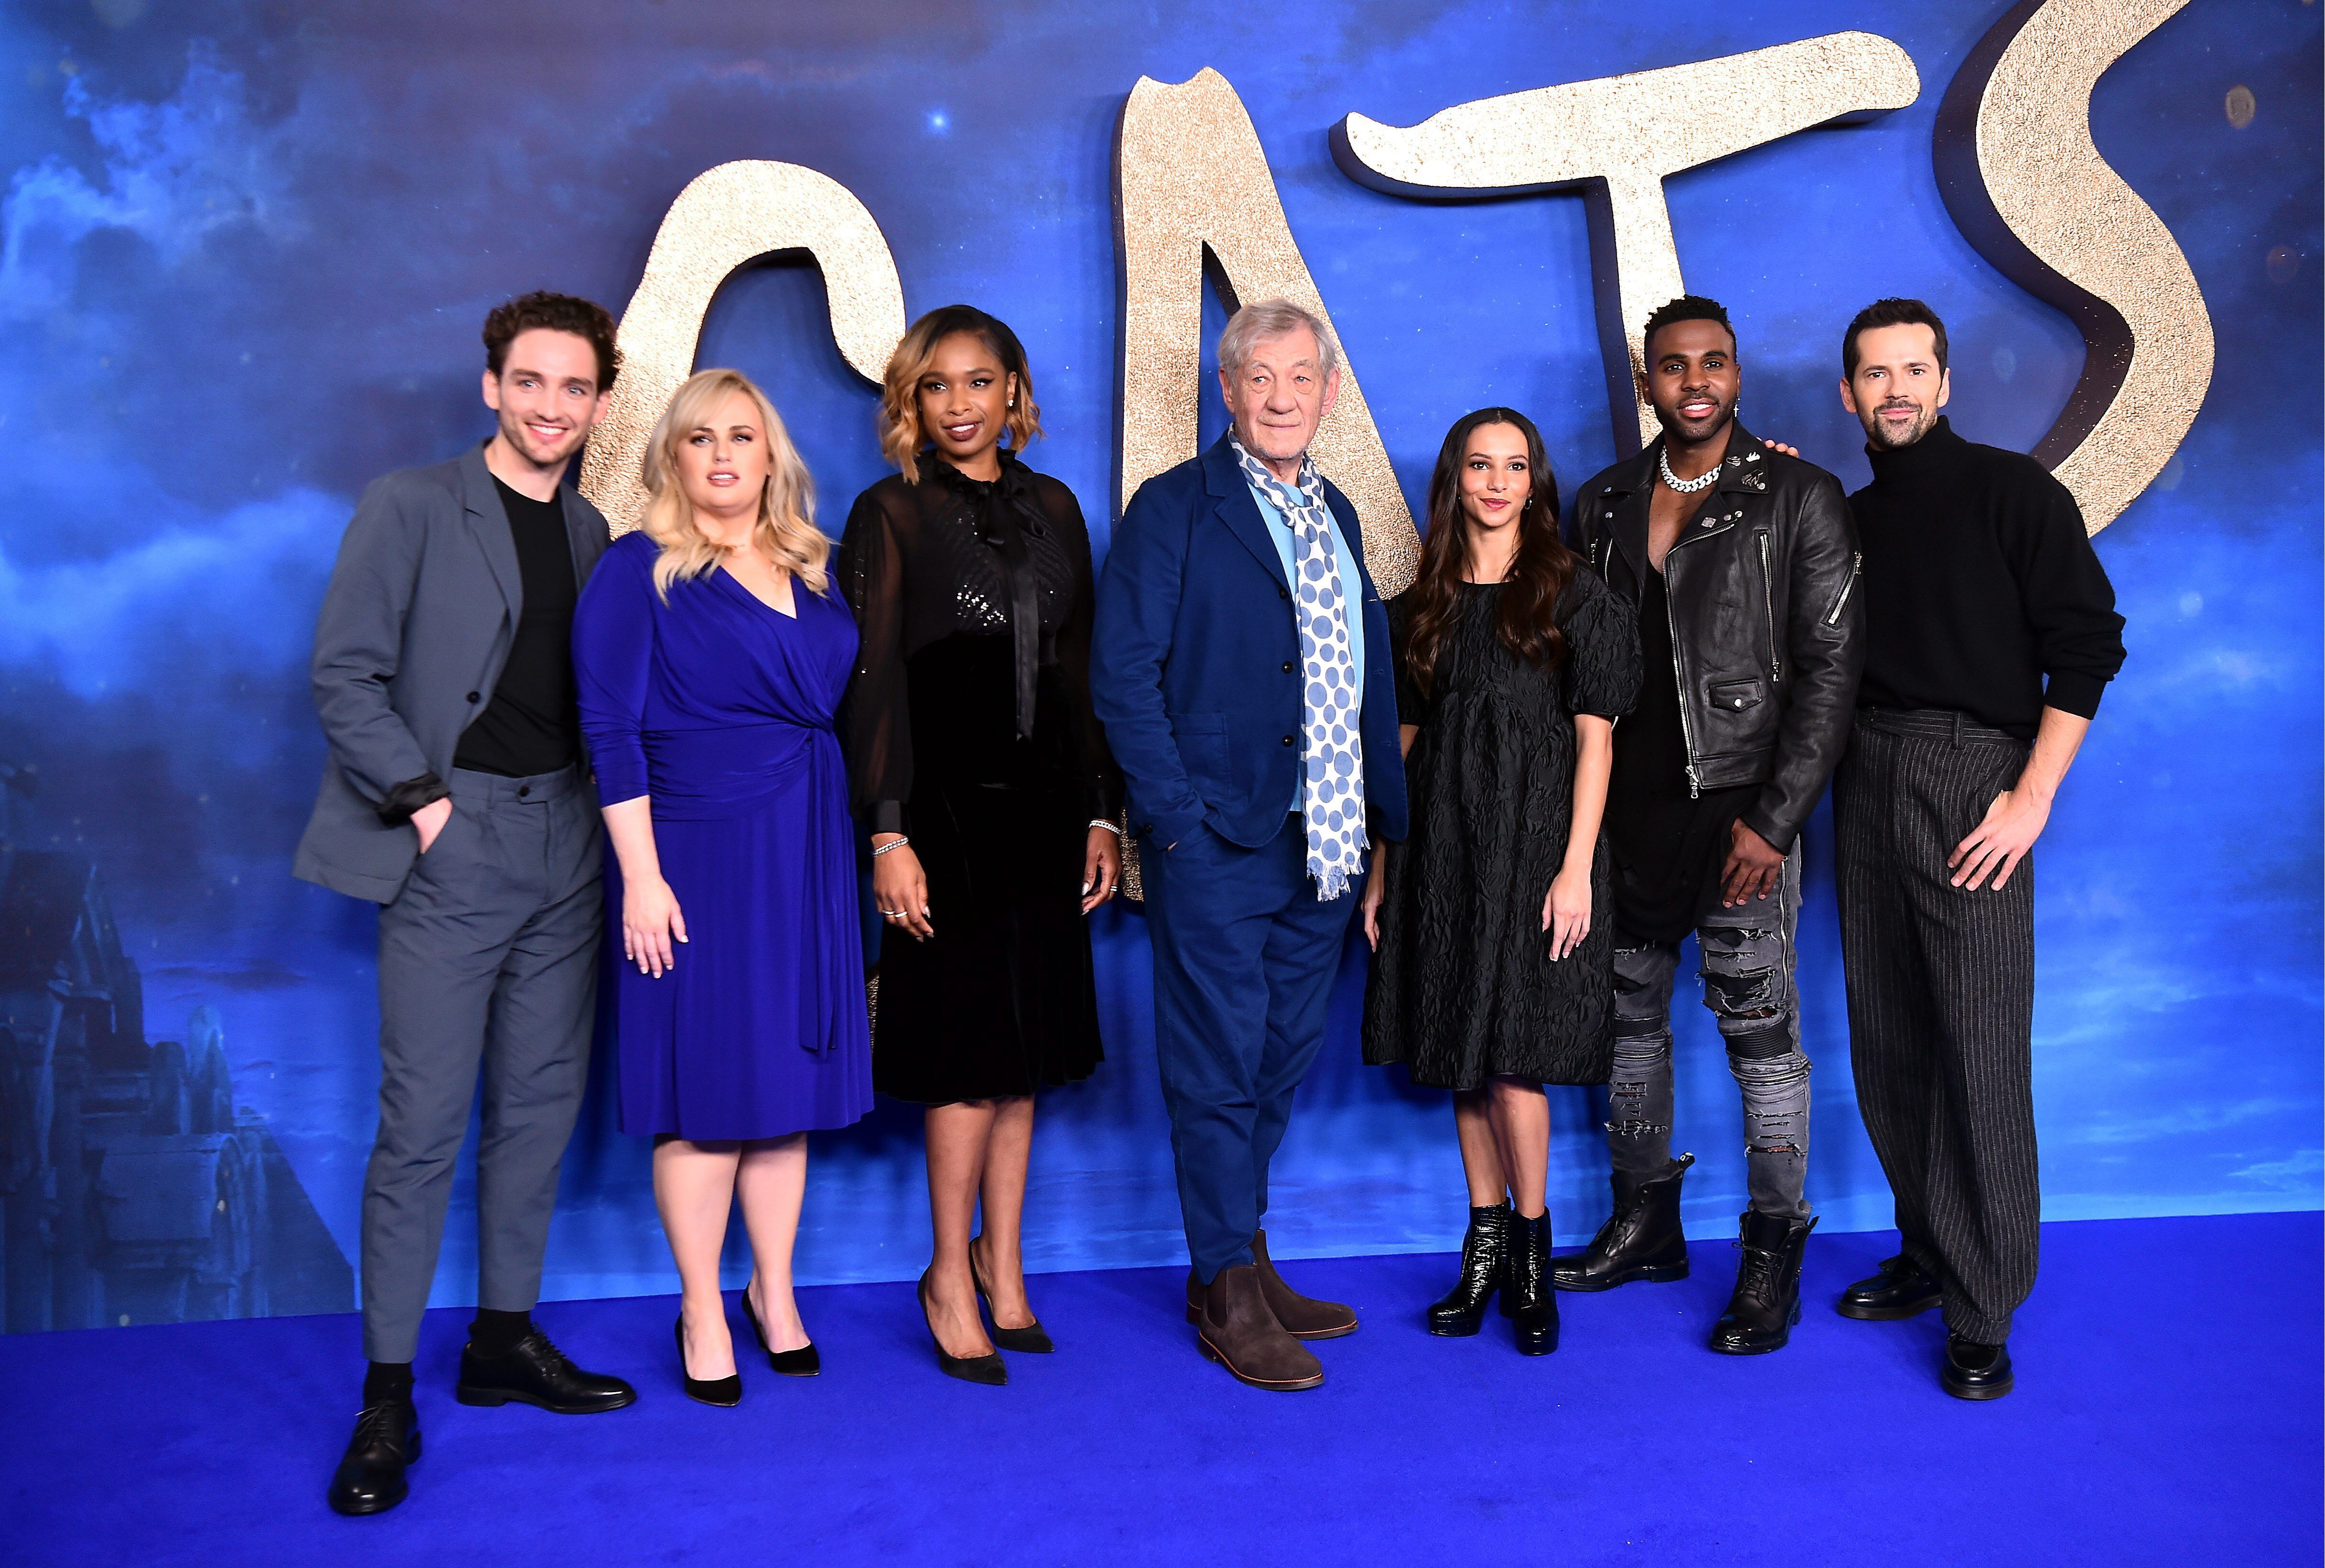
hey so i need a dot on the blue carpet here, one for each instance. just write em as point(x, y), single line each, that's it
point(2167, 1412)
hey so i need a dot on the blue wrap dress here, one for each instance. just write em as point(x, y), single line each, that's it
point(719, 707)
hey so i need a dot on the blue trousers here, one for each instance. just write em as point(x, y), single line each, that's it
point(1244, 955)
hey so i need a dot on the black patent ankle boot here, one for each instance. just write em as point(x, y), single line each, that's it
point(1528, 1297)
point(1641, 1240)
point(1484, 1251)
point(1760, 1315)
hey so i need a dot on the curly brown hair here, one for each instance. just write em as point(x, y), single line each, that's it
point(542, 310)
point(901, 436)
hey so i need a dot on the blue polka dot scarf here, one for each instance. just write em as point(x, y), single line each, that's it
point(1332, 754)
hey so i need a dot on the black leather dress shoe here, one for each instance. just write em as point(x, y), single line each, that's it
point(1903, 1288)
point(370, 1477)
point(1976, 1371)
point(535, 1372)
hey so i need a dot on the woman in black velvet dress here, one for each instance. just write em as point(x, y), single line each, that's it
point(1490, 975)
point(989, 793)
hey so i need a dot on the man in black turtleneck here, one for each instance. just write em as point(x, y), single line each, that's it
point(1990, 634)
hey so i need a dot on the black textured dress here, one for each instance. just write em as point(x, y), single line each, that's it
point(1462, 986)
point(968, 729)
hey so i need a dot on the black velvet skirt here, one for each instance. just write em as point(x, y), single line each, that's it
point(1001, 1000)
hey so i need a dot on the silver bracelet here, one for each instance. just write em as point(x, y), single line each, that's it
point(899, 842)
point(1112, 827)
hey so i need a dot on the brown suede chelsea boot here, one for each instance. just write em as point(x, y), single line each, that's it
point(1238, 1331)
point(1299, 1316)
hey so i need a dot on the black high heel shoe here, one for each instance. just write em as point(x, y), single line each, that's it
point(1485, 1264)
point(1033, 1339)
point(802, 1362)
point(988, 1369)
point(1529, 1298)
point(724, 1392)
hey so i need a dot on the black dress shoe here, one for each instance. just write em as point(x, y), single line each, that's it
point(1528, 1296)
point(724, 1392)
point(1976, 1371)
point(1903, 1288)
point(802, 1362)
point(988, 1369)
point(533, 1372)
point(1031, 1340)
point(1641, 1240)
point(1485, 1266)
point(1760, 1315)
point(370, 1477)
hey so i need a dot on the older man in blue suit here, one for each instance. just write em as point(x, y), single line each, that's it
point(1242, 668)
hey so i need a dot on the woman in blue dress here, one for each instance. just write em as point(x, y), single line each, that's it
point(710, 651)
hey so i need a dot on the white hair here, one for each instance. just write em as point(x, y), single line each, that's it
point(1253, 324)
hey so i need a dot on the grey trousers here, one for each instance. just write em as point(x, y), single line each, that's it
point(1750, 984)
point(487, 963)
point(1942, 1006)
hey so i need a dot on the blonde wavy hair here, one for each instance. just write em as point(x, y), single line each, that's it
point(786, 532)
point(901, 436)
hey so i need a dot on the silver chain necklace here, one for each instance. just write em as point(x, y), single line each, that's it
point(1702, 481)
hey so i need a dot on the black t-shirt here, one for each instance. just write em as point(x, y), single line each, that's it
point(1668, 846)
point(532, 725)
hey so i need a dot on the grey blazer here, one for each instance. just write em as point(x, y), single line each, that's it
point(416, 625)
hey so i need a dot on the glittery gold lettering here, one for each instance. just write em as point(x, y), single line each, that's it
point(2024, 183)
point(724, 218)
point(1618, 138)
point(1189, 178)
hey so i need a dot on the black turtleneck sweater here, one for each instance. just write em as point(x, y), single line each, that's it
point(1982, 592)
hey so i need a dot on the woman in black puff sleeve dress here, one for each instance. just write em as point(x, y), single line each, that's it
point(989, 796)
point(1493, 966)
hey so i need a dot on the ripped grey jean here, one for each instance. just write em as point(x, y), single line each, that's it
point(1749, 984)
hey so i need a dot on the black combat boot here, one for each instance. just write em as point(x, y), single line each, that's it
point(1528, 1296)
point(1641, 1240)
point(1760, 1315)
point(1485, 1252)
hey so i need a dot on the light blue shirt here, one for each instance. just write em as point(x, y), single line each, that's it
point(1352, 594)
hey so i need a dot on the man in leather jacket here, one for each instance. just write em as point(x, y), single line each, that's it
point(1742, 561)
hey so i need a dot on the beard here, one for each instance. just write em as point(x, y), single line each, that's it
point(1888, 439)
point(1684, 429)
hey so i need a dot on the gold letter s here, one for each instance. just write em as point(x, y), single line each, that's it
point(2028, 187)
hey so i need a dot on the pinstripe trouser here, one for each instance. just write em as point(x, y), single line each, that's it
point(1942, 1005)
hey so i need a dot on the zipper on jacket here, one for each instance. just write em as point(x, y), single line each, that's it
point(1679, 676)
point(1840, 603)
point(1768, 599)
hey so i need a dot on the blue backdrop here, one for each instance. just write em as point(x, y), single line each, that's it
point(245, 259)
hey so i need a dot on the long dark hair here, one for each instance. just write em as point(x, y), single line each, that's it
point(1539, 570)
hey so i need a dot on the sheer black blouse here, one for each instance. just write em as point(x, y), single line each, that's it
point(953, 556)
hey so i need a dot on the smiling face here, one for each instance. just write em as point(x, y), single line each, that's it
point(964, 400)
point(546, 395)
point(1693, 381)
point(1278, 396)
point(1898, 386)
point(1497, 476)
point(723, 465)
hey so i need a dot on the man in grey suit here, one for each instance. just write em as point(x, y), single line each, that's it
point(455, 799)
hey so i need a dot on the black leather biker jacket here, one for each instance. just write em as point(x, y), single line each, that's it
point(1766, 629)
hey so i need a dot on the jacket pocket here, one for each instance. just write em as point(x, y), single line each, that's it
point(1736, 697)
point(1202, 740)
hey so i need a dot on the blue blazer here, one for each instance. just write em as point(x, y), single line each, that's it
point(1195, 662)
